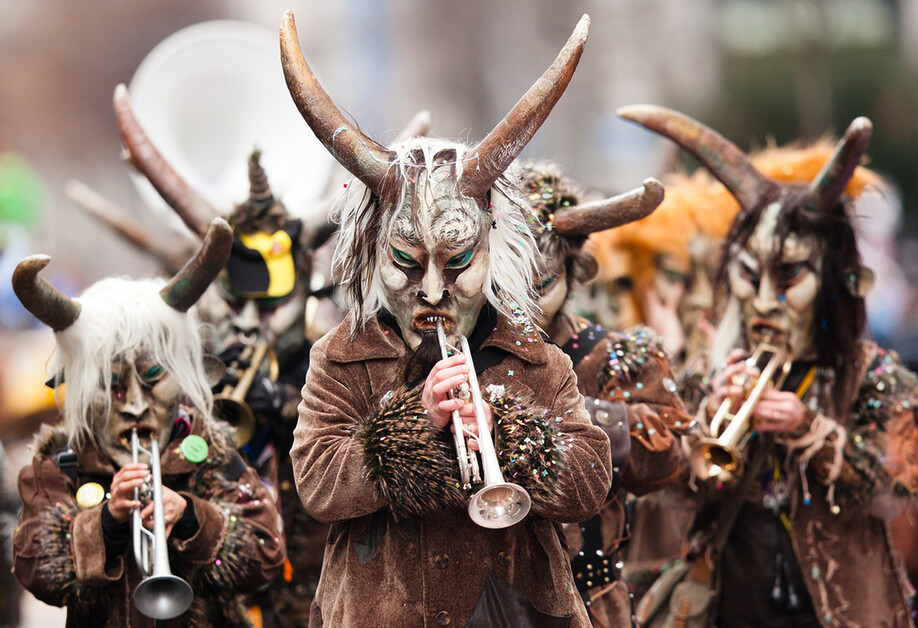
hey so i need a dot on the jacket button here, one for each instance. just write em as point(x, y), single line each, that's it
point(443, 618)
point(503, 559)
point(441, 561)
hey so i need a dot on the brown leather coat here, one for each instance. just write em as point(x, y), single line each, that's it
point(437, 567)
point(60, 553)
point(630, 370)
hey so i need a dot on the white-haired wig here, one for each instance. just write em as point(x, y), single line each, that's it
point(119, 318)
point(365, 229)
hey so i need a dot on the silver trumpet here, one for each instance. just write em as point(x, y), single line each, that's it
point(497, 504)
point(160, 595)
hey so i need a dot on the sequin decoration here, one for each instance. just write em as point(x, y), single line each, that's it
point(628, 354)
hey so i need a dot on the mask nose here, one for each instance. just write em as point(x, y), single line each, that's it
point(766, 298)
point(247, 321)
point(433, 288)
point(134, 404)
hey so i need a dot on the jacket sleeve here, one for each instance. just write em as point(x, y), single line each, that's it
point(239, 544)
point(873, 456)
point(635, 372)
point(585, 474)
point(58, 550)
point(328, 462)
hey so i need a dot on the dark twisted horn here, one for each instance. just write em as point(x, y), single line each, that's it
point(187, 286)
point(191, 207)
point(829, 184)
point(722, 157)
point(361, 155)
point(260, 195)
point(586, 218)
point(483, 164)
point(48, 304)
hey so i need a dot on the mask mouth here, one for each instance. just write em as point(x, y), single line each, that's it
point(427, 321)
point(145, 434)
point(763, 330)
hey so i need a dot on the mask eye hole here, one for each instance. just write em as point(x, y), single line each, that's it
point(545, 283)
point(458, 261)
point(403, 259)
point(152, 374)
point(791, 274)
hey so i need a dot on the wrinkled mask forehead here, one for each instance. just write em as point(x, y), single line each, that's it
point(763, 243)
point(433, 212)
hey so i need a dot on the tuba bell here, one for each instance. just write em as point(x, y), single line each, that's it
point(497, 504)
point(230, 405)
point(160, 595)
point(719, 460)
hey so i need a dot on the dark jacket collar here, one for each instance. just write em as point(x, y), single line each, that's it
point(381, 338)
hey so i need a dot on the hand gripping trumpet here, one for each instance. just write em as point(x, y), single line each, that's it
point(719, 459)
point(498, 504)
point(160, 595)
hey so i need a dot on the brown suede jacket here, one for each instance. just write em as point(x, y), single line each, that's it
point(630, 370)
point(60, 555)
point(403, 550)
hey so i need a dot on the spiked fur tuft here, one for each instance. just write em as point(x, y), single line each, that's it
point(412, 468)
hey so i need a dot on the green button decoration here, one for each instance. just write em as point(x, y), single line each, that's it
point(194, 448)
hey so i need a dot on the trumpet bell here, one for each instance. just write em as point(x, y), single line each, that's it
point(238, 414)
point(163, 597)
point(714, 463)
point(499, 505)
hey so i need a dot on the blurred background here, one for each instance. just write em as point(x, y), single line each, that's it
point(755, 70)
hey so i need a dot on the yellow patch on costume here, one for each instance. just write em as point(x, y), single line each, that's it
point(275, 248)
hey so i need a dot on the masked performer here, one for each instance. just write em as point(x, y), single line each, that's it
point(624, 377)
point(131, 356)
point(837, 440)
point(257, 311)
point(682, 241)
point(434, 232)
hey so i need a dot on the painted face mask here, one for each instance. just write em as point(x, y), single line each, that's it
point(777, 289)
point(793, 270)
point(143, 396)
point(553, 287)
point(129, 350)
point(436, 260)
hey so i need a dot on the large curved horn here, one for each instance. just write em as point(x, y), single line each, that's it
point(362, 156)
point(829, 184)
point(191, 207)
point(187, 286)
point(584, 219)
point(722, 157)
point(44, 301)
point(487, 161)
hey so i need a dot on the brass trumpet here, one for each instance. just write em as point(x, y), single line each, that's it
point(719, 459)
point(160, 595)
point(230, 405)
point(498, 504)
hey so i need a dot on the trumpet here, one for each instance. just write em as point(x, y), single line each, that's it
point(160, 595)
point(719, 459)
point(230, 405)
point(498, 504)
